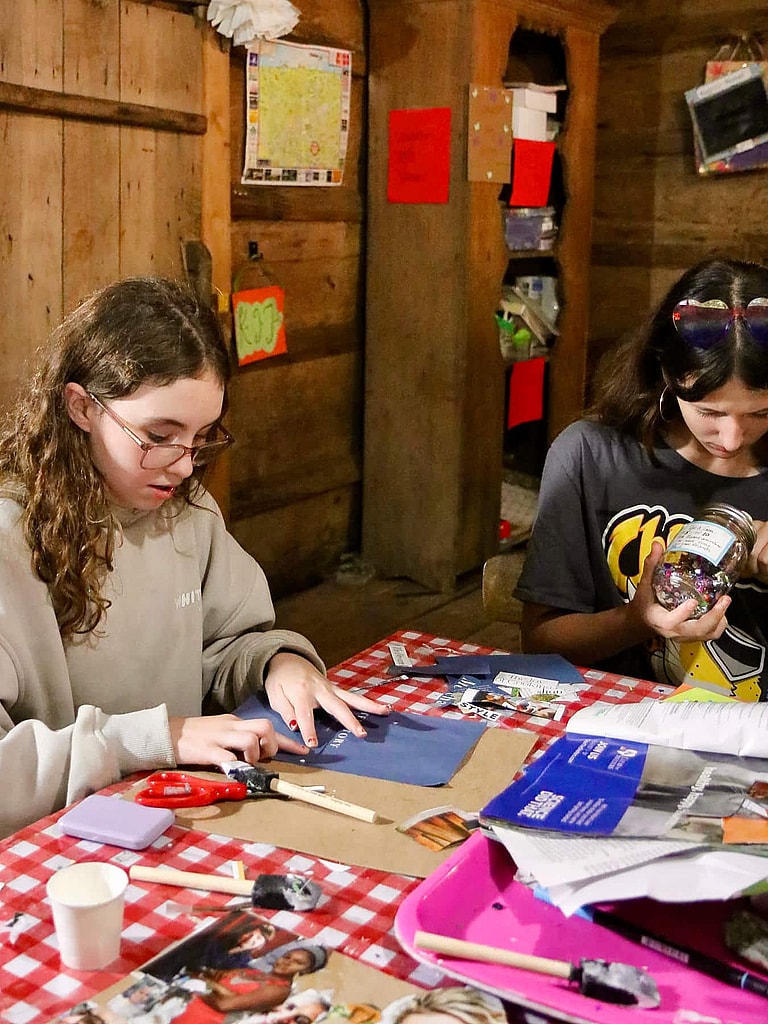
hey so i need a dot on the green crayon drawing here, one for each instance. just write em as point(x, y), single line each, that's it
point(257, 327)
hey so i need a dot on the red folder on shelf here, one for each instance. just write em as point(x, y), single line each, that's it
point(531, 172)
point(526, 392)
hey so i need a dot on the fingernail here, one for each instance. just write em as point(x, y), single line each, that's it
point(312, 742)
point(361, 733)
point(293, 724)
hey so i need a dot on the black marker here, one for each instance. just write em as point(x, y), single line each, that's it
point(682, 954)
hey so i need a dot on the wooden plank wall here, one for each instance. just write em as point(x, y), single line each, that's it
point(91, 189)
point(654, 216)
point(296, 469)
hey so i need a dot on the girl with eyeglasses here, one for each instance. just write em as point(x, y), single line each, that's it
point(679, 421)
point(131, 622)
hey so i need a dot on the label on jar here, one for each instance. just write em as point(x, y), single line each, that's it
point(710, 540)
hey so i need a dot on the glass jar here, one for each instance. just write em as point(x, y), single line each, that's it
point(705, 559)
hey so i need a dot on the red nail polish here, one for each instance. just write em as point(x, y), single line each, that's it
point(292, 724)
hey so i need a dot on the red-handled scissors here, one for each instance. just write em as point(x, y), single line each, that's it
point(178, 789)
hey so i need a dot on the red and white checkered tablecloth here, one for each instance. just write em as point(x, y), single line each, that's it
point(358, 906)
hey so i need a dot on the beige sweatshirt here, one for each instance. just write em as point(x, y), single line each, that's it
point(190, 621)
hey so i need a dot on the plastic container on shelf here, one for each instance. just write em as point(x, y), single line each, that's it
point(541, 290)
point(530, 228)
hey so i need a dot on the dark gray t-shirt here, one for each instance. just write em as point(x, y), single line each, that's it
point(602, 502)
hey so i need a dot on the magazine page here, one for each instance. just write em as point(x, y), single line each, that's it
point(242, 969)
point(732, 728)
point(594, 786)
point(705, 815)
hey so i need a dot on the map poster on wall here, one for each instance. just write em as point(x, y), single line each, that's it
point(297, 114)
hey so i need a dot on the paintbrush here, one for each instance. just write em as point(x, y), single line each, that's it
point(259, 781)
point(611, 983)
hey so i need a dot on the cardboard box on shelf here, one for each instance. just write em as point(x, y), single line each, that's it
point(529, 124)
point(535, 99)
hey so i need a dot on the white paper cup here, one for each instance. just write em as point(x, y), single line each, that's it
point(87, 901)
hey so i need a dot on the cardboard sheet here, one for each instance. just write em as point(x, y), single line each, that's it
point(489, 768)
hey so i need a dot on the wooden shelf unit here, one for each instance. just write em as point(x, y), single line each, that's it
point(434, 415)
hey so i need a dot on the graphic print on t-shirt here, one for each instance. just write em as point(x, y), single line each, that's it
point(735, 661)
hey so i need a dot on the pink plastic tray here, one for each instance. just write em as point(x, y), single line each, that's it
point(473, 896)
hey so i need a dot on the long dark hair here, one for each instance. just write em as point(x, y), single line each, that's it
point(631, 378)
point(138, 331)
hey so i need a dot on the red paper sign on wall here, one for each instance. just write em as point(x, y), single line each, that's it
point(259, 323)
point(419, 155)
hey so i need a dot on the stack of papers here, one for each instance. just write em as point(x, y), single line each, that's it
point(651, 799)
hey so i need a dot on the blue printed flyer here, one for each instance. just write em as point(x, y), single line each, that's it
point(595, 786)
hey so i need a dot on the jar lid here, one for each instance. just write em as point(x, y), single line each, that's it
point(743, 519)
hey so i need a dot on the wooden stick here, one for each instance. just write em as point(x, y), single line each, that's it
point(492, 955)
point(192, 880)
point(332, 803)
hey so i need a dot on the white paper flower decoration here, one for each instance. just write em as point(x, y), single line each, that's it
point(245, 21)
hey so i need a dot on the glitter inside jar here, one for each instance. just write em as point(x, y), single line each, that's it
point(705, 559)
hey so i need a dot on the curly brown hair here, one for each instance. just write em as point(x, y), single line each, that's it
point(141, 330)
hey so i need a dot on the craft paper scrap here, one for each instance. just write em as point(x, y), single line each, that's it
point(492, 701)
point(400, 747)
point(698, 693)
point(437, 828)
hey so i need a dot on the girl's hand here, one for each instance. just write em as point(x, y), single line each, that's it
point(676, 624)
point(214, 738)
point(757, 564)
point(295, 688)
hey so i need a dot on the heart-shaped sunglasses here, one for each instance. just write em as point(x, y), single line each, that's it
point(704, 324)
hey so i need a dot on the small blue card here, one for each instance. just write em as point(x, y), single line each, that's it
point(542, 666)
point(400, 747)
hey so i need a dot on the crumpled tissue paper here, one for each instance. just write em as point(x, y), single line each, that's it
point(245, 21)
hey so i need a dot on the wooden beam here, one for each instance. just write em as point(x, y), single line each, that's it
point(216, 218)
point(672, 255)
point(276, 491)
point(286, 202)
point(46, 103)
point(643, 35)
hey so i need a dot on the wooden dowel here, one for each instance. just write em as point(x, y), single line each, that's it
point(331, 803)
point(191, 880)
point(492, 955)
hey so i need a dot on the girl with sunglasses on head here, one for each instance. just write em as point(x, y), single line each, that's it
point(131, 621)
point(679, 421)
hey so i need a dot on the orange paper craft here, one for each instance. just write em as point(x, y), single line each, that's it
point(259, 323)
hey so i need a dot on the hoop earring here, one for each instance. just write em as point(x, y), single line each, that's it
point(667, 390)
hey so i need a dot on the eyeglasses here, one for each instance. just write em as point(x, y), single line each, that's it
point(161, 456)
point(704, 324)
